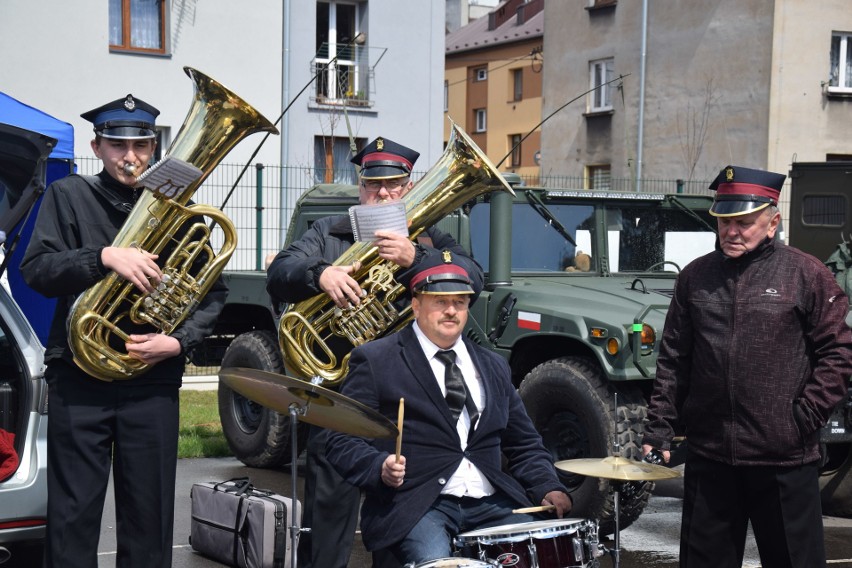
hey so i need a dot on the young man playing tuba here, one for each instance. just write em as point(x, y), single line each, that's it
point(129, 426)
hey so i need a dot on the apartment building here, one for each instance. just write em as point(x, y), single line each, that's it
point(493, 84)
point(683, 88)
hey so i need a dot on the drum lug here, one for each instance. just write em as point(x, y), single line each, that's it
point(533, 554)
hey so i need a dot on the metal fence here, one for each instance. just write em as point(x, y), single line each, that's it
point(261, 204)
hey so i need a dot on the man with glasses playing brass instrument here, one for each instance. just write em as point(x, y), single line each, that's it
point(130, 426)
point(304, 269)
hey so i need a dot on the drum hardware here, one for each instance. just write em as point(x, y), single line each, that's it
point(620, 471)
point(309, 403)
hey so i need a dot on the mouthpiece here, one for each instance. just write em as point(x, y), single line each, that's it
point(130, 169)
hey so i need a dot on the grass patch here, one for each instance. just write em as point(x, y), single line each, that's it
point(200, 434)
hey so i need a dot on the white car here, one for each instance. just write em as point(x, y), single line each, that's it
point(23, 392)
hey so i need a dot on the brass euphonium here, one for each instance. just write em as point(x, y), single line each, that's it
point(311, 333)
point(217, 120)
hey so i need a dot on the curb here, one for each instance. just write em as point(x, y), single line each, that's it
point(200, 382)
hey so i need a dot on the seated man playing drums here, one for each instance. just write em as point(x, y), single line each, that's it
point(462, 415)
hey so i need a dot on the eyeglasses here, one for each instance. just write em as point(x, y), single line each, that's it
point(392, 185)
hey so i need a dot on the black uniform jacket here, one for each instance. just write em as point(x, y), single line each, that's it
point(755, 355)
point(387, 369)
point(294, 274)
point(79, 216)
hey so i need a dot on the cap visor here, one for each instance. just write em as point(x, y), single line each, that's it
point(127, 133)
point(448, 287)
point(383, 172)
point(732, 208)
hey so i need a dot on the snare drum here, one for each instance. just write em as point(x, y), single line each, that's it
point(557, 543)
point(455, 562)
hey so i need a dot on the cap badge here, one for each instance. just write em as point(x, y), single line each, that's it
point(729, 174)
point(129, 103)
point(380, 144)
point(448, 256)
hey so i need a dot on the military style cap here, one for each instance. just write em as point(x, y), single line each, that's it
point(128, 118)
point(743, 190)
point(439, 274)
point(383, 159)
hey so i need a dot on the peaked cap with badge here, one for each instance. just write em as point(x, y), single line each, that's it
point(438, 273)
point(384, 159)
point(128, 118)
point(742, 190)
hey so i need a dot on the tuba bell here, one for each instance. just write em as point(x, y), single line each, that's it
point(313, 332)
point(217, 120)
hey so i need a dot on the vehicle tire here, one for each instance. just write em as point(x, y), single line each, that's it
point(571, 405)
point(836, 490)
point(258, 436)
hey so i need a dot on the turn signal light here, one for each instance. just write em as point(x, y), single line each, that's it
point(612, 346)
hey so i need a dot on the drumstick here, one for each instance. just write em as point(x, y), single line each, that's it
point(399, 428)
point(535, 509)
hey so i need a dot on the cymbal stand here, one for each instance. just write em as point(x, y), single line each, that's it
point(616, 552)
point(616, 485)
point(295, 528)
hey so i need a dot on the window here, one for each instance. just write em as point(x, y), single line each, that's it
point(446, 96)
point(137, 25)
point(517, 84)
point(480, 74)
point(825, 210)
point(840, 74)
point(515, 147)
point(331, 160)
point(600, 73)
point(345, 78)
point(598, 177)
point(480, 120)
point(163, 138)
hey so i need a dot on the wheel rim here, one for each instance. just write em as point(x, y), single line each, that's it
point(565, 437)
point(247, 413)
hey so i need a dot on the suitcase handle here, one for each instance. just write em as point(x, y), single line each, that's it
point(241, 486)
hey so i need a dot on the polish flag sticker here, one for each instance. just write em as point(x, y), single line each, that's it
point(529, 320)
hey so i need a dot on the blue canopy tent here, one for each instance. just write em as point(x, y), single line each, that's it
point(60, 163)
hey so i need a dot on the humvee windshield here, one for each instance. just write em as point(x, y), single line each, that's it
point(640, 237)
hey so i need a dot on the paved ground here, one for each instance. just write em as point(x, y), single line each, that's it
point(651, 542)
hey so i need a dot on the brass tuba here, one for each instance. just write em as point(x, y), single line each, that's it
point(216, 122)
point(311, 332)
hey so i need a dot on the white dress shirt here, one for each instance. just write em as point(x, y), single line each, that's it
point(468, 480)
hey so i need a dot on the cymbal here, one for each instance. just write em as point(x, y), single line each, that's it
point(617, 467)
point(318, 406)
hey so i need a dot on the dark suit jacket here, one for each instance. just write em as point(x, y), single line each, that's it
point(385, 370)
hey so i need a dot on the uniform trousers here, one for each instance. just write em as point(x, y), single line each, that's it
point(782, 503)
point(92, 426)
point(330, 509)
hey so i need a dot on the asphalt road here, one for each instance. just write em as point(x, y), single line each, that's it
point(651, 542)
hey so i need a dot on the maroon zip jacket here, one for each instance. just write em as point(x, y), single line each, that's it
point(755, 355)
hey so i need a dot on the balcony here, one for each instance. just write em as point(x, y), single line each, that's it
point(347, 79)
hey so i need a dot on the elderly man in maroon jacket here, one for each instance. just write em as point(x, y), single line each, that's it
point(755, 355)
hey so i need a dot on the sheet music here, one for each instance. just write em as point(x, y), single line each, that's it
point(169, 177)
point(367, 219)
